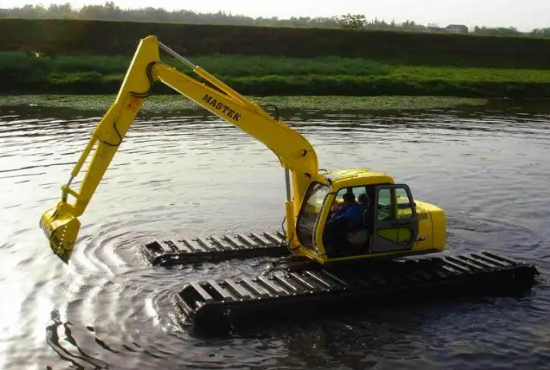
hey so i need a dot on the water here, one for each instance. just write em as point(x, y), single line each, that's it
point(191, 174)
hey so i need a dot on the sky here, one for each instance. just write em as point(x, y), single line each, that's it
point(524, 15)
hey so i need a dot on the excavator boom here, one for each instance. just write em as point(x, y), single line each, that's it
point(295, 153)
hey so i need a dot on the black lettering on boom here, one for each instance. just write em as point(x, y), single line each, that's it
point(221, 107)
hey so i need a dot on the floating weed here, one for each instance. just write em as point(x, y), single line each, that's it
point(159, 103)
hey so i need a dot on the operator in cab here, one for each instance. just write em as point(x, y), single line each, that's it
point(341, 222)
point(344, 225)
point(350, 211)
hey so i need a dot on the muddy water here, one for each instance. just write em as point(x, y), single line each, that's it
point(190, 174)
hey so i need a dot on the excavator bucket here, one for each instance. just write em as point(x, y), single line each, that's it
point(61, 229)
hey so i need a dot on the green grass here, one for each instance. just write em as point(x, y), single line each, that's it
point(256, 65)
point(261, 66)
point(221, 65)
point(268, 76)
point(470, 74)
point(163, 103)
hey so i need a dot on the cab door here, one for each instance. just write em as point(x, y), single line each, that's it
point(395, 224)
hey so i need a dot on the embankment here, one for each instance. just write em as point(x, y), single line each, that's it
point(111, 38)
point(91, 57)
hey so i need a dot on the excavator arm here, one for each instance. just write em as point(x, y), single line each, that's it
point(295, 153)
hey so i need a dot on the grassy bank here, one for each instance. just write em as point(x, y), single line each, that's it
point(166, 103)
point(269, 75)
point(58, 37)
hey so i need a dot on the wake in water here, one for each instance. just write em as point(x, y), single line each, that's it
point(75, 355)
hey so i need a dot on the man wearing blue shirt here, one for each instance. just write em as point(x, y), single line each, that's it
point(350, 211)
point(346, 221)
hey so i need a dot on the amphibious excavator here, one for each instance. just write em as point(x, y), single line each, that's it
point(333, 218)
point(389, 222)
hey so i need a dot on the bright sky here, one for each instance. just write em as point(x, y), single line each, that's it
point(524, 15)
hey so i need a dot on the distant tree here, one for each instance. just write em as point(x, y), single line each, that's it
point(541, 32)
point(109, 11)
point(352, 21)
point(497, 31)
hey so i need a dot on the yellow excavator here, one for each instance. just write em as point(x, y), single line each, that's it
point(331, 216)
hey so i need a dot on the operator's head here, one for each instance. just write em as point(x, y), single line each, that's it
point(363, 199)
point(349, 199)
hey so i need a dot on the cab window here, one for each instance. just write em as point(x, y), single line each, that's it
point(385, 209)
point(309, 212)
point(356, 190)
point(404, 206)
point(394, 204)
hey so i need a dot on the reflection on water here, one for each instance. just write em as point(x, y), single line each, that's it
point(192, 174)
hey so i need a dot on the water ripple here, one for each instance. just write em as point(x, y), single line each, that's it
point(197, 175)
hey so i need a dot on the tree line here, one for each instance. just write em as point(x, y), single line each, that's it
point(112, 12)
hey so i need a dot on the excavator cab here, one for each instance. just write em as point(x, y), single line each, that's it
point(360, 214)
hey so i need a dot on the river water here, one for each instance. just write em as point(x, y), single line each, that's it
point(185, 173)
